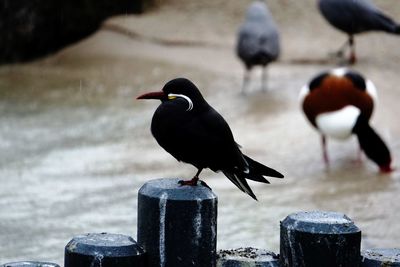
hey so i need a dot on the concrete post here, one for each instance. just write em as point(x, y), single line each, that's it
point(317, 238)
point(177, 225)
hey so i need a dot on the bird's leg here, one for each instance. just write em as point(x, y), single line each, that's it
point(352, 58)
point(264, 79)
point(246, 79)
point(342, 49)
point(324, 150)
point(193, 181)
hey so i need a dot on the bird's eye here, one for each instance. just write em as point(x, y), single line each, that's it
point(173, 96)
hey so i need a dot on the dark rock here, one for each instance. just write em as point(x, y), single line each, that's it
point(247, 257)
point(33, 28)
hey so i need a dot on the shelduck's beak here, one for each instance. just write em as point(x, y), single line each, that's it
point(153, 95)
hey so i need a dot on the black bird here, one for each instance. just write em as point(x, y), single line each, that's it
point(356, 16)
point(188, 128)
point(257, 41)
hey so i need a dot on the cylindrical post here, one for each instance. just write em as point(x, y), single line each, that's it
point(177, 225)
point(247, 257)
point(104, 250)
point(316, 239)
point(30, 264)
point(378, 257)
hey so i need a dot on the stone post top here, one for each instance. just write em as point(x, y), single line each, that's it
point(169, 188)
point(328, 222)
point(384, 255)
point(30, 264)
point(104, 243)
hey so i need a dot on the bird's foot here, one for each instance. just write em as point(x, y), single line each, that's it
point(352, 59)
point(386, 169)
point(192, 182)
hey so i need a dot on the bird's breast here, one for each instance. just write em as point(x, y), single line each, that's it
point(338, 124)
point(333, 95)
point(170, 119)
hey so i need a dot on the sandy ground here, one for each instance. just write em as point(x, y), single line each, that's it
point(76, 147)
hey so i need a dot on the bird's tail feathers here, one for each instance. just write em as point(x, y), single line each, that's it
point(258, 170)
point(240, 182)
point(255, 171)
point(388, 24)
point(372, 144)
point(257, 177)
point(397, 29)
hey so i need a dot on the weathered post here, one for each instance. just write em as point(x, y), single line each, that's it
point(389, 257)
point(247, 257)
point(319, 238)
point(30, 264)
point(104, 250)
point(177, 225)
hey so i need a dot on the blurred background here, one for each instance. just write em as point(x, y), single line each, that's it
point(75, 145)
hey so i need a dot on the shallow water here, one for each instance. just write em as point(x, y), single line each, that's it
point(75, 146)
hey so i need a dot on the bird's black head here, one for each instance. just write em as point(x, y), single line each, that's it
point(183, 86)
point(178, 88)
point(257, 12)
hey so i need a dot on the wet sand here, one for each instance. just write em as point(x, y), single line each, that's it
point(76, 147)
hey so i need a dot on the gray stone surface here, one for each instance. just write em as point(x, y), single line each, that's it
point(380, 257)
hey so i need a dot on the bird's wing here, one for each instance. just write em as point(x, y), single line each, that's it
point(219, 141)
point(356, 16)
point(371, 17)
point(202, 139)
point(216, 143)
point(258, 170)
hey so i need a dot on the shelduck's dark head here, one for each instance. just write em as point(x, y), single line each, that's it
point(179, 88)
point(339, 103)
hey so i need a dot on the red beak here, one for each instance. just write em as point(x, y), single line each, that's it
point(152, 95)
